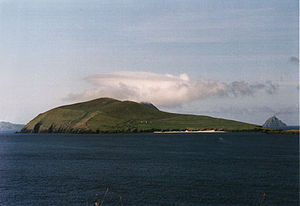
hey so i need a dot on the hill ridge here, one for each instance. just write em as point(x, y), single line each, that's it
point(10, 127)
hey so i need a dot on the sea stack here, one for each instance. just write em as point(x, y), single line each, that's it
point(274, 123)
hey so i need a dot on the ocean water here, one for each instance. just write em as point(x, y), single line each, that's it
point(291, 127)
point(149, 169)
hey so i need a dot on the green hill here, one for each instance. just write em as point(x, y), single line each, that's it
point(106, 115)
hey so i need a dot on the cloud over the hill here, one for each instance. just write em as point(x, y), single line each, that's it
point(164, 89)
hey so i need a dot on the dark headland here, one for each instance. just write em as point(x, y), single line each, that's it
point(106, 115)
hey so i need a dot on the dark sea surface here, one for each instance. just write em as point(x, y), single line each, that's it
point(149, 169)
point(291, 127)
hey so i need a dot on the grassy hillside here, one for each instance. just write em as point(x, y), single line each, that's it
point(106, 115)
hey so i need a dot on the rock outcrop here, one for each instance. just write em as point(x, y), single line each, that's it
point(274, 123)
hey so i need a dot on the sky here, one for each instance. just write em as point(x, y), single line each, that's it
point(235, 59)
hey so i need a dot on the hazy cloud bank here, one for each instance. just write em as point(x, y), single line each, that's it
point(253, 114)
point(294, 60)
point(246, 111)
point(164, 89)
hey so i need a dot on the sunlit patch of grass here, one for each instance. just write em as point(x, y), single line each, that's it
point(100, 202)
point(262, 201)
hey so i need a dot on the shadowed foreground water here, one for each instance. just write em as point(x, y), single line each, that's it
point(149, 169)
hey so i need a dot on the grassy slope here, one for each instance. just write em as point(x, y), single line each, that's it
point(110, 115)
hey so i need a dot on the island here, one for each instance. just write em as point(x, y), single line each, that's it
point(107, 115)
point(274, 123)
point(8, 127)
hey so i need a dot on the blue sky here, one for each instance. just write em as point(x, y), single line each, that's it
point(234, 59)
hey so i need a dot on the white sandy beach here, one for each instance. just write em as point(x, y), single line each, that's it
point(187, 131)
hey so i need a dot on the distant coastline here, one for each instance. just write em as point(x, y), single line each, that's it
point(107, 115)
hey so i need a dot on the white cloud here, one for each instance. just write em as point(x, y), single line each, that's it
point(164, 89)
